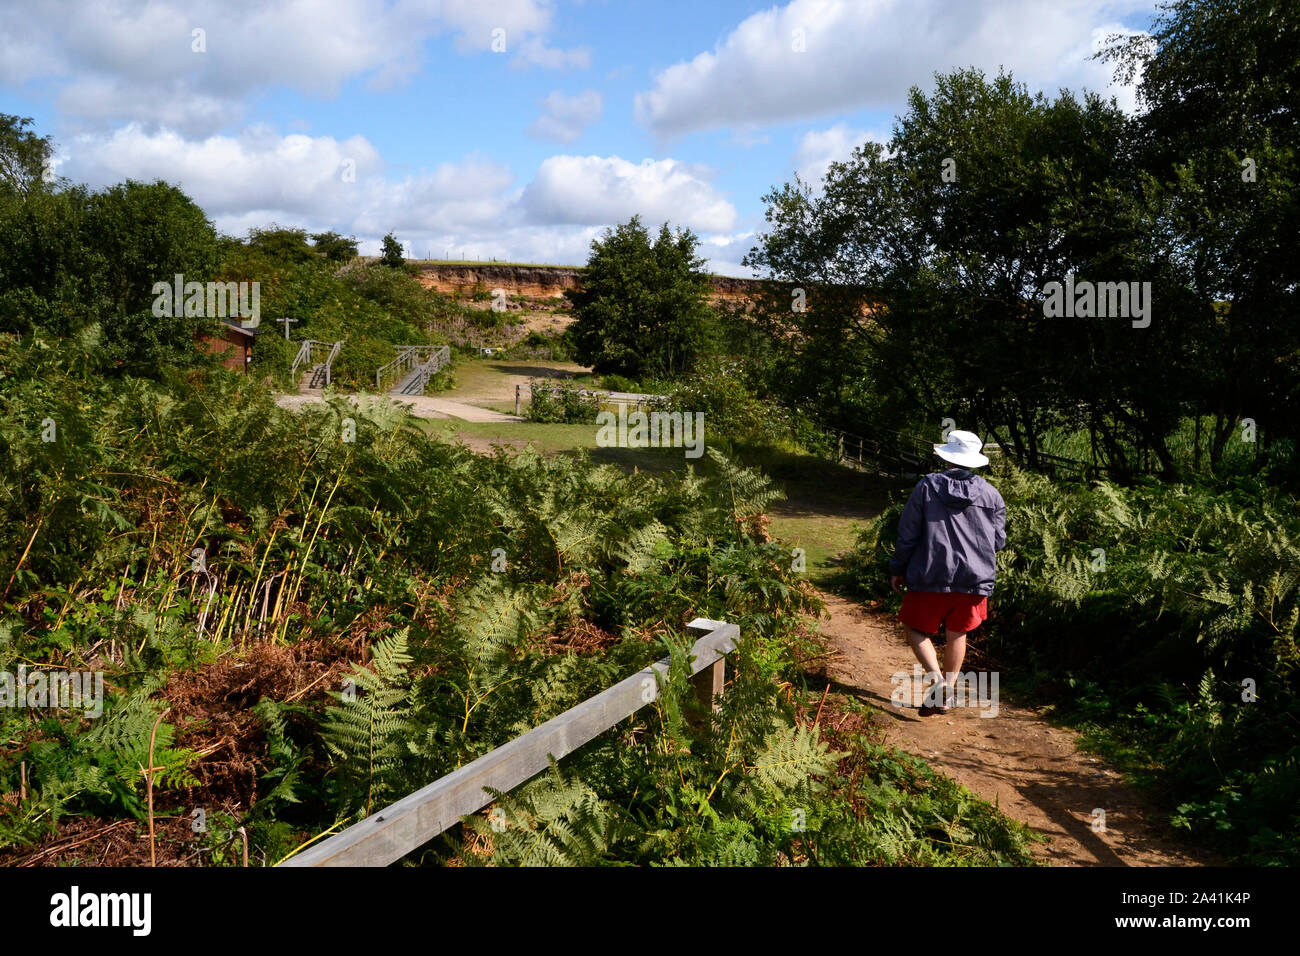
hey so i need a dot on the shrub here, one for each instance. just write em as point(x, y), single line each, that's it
point(617, 383)
point(560, 401)
point(392, 254)
point(732, 410)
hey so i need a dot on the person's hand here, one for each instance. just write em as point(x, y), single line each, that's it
point(896, 582)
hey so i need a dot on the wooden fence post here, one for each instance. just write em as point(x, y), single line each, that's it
point(710, 681)
point(517, 387)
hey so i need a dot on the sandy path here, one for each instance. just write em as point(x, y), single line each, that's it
point(421, 406)
point(1030, 768)
point(429, 406)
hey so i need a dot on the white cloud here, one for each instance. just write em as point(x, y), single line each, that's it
point(819, 148)
point(475, 20)
point(869, 53)
point(258, 170)
point(565, 117)
point(135, 60)
point(535, 52)
point(587, 190)
point(472, 206)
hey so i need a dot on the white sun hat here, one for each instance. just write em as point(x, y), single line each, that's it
point(963, 448)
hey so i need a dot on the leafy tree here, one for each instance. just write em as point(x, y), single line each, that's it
point(392, 255)
point(281, 244)
point(148, 233)
point(49, 269)
point(24, 156)
point(334, 247)
point(641, 310)
point(1220, 139)
point(924, 268)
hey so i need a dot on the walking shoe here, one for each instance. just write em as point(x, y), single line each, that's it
point(938, 698)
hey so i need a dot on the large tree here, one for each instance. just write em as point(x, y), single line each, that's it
point(925, 265)
point(641, 309)
point(1219, 137)
point(24, 156)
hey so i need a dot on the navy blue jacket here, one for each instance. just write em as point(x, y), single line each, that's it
point(949, 534)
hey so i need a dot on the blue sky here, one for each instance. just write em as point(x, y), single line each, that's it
point(516, 129)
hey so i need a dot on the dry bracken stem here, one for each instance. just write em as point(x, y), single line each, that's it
point(726, 768)
point(817, 719)
point(257, 579)
point(21, 559)
point(149, 784)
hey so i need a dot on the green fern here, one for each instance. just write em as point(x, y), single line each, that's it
point(790, 757)
point(746, 492)
point(369, 730)
point(552, 821)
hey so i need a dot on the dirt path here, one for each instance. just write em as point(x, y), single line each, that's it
point(431, 406)
point(1030, 768)
point(421, 406)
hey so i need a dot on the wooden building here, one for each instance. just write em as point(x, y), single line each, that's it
point(231, 341)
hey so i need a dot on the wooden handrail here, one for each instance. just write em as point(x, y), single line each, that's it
point(417, 818)
point(304, 355)
point(307, 354)
point(390, 373)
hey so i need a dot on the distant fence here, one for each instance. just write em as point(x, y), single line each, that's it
point(884, 450)
point(903, 454)
point(387, 836)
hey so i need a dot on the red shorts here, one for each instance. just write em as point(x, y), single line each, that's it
point(926, 610)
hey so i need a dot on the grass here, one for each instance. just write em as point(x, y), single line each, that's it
point(485, 376)
point(824, 506)
point(557, 439)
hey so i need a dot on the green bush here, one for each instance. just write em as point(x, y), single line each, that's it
point(618, 383)
point(733, 411)
point(560, 401)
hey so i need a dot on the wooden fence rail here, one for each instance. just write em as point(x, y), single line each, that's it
point(396, 830)
point(885, 450)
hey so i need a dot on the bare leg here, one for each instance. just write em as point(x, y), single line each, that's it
point(923, 648)
point(954, 652)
